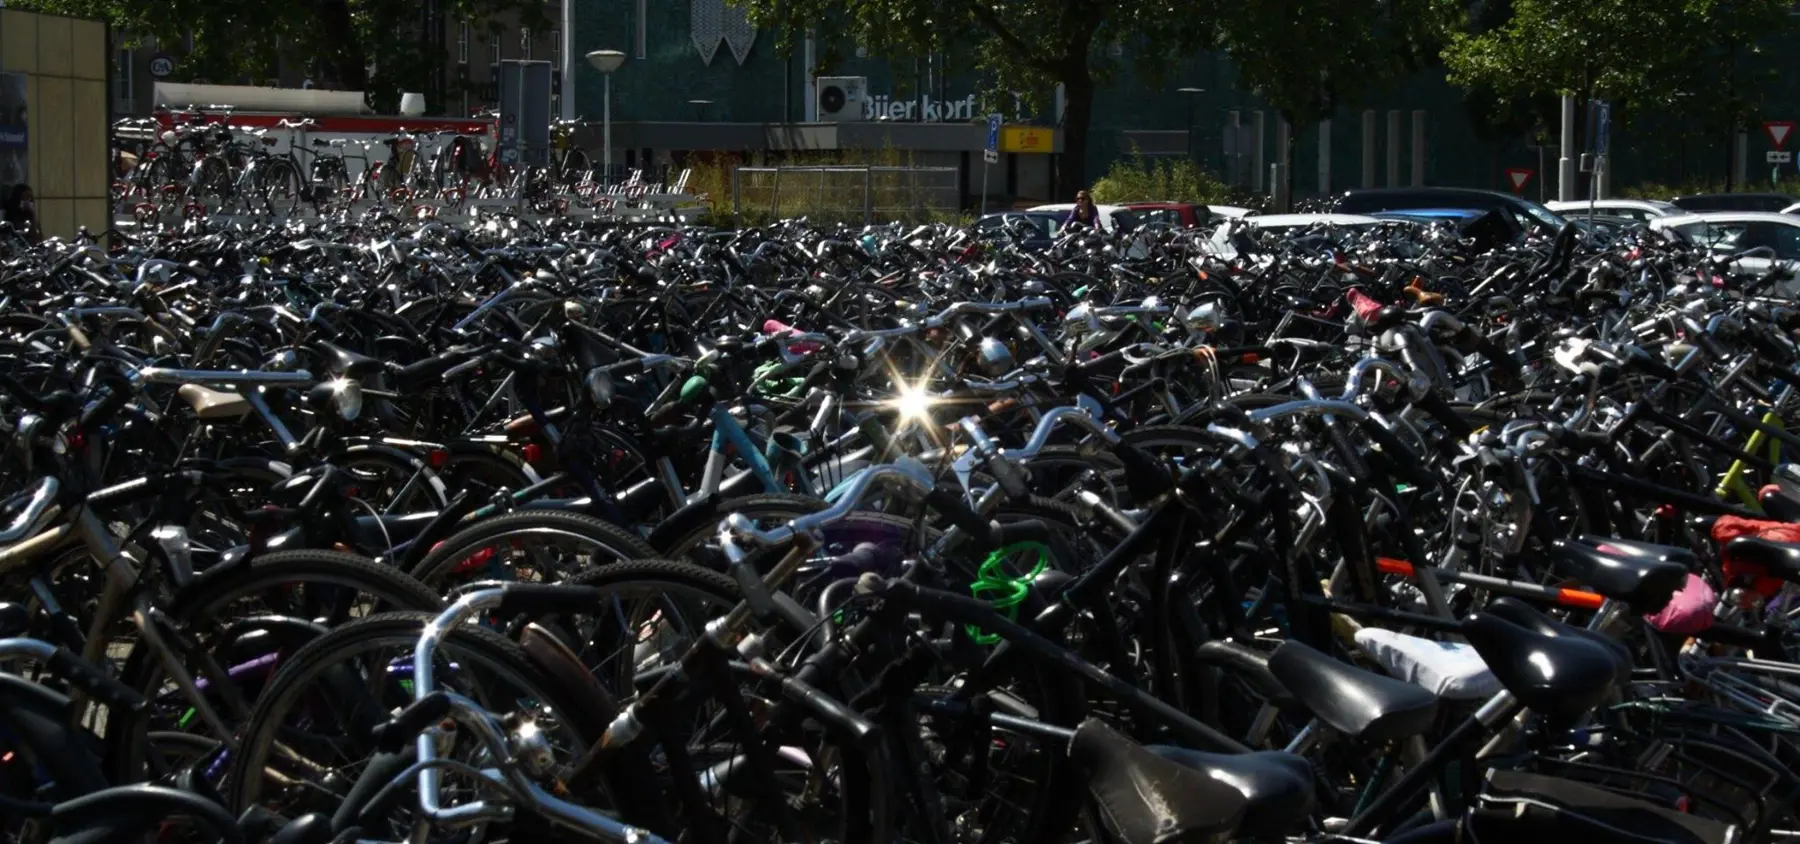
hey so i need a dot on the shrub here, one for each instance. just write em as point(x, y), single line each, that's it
point(1139, 179)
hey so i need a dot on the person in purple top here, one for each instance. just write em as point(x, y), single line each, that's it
point(1084, 211)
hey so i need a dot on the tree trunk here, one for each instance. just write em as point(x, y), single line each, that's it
point(1078, 111)
point(348, 61)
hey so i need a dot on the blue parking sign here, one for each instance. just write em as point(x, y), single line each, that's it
point(993, 142)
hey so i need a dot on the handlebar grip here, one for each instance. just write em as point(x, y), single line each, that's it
point(392, 736)
point(1146, 478)
point(546, 598)
point(1440, 409)
point(1011, 478)
point(1402, 460)
point(465, 367)
point(949, 504)
point(87, 677)
point(1501, 358)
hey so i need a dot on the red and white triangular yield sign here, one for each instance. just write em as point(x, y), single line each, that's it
point(1778, 131)
point(1518, 177)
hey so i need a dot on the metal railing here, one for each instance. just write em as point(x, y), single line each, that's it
point(845, 193)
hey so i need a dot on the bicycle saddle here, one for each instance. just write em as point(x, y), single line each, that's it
point(342, 361)
point(1529, 617)
point(1146, 799)
point(1779, 559)
point(1557, 674)
point(1277, 786)
point(15, 619)
point(1646, 583)
point(1361, 704)
point(1249, 664)
point(212, 404)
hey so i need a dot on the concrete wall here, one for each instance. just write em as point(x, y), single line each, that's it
point(64, 61)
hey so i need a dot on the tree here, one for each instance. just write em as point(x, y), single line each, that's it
point(357, 44)
point(1309, 58)
point(1025, 46)
point(1635, 53)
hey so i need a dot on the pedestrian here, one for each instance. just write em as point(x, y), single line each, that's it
point(20, 212)
point(1084, 211)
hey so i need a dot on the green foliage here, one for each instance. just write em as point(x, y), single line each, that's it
point(1691, 54)
point(235, 38)
point(1141, 179)
point(1309, 58)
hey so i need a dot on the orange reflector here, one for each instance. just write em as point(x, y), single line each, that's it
point(1250, 358)
point(1578, 598)
point(1389, 565)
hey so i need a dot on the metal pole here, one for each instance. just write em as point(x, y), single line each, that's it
point(985, 167)
point(1259, 121)
point(1368, 148)
point(1325, 158)
point(1418, 148)
point(606, 129)
point(1565, 166)
point(1393, 148)
point(567, 70)
point(868, 196)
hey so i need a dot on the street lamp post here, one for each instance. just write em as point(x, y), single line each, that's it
point(606, 61)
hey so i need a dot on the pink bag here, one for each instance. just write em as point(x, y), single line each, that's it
point(772, 327)
point(1690, 611)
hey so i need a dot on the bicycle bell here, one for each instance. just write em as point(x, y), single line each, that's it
point(993, 358)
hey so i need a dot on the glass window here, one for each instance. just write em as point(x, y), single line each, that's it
point(1784, 239)
point(462, 43)
point(556, 47)
point(493, 49)
point(122, 76)
point(525, 43)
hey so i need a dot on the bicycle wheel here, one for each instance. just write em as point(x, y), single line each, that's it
point(533, 545)
point(650, 614)
point(309, 736)
point(307, 590)
point(281, 186)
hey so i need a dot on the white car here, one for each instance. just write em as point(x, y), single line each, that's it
point(1792, 209)
point(1737, 231)
point(1629, 210)
point(1221, 240)
point(1113, 218)
point(1284, 222)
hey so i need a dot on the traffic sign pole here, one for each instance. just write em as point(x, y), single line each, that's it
point(990, 155)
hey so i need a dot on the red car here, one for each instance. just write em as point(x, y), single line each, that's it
point(1181, 214)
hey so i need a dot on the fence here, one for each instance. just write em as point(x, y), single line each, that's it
point(846, 194)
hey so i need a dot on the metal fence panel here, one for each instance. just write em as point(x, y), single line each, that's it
point(846, 193)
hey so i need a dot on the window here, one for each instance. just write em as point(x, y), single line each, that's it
point(556, 48)
point(122, 80)
point(493, 49)
point(643, 30)
point(525, 43)
point(462, 43)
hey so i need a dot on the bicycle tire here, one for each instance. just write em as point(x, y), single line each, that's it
point(206, 597)
point(474, 648)
point(435, 567)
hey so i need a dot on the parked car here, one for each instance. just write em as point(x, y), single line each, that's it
point(1182, 215)
point(1239, 237)
point(1043, 226)
point(1525, 214)
point(1765, 202)
point(1792, 209)
point(1186, 214)
point(1737, 231)
point(1626, 210)
point(1113, 218)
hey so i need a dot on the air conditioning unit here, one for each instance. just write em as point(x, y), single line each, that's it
point(841, 97)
